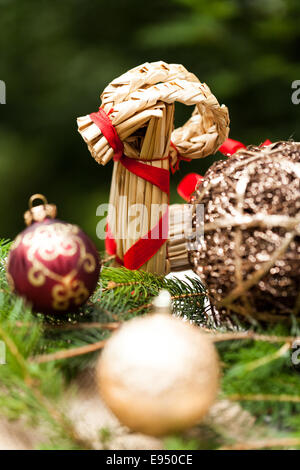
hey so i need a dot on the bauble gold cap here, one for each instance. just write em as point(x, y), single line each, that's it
point(40, 212)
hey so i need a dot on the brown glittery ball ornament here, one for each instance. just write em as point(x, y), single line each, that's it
point(250, 254)
point(52, 264)
point(159, 374)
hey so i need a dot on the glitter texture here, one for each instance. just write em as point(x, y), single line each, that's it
point(250, 256)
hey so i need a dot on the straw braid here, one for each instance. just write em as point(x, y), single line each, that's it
point(135, 97)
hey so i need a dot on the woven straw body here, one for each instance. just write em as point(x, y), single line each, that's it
point(140, 105)
point(181, 216)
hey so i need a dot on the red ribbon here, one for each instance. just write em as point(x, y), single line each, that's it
point(110, 242)
point(230, 146)
point(157, 176)
point(266, 143)
point(102, 121)
point(179, 159)
point(188, 184)
point(141, 251)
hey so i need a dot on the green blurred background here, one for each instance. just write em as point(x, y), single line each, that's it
point(56, 56)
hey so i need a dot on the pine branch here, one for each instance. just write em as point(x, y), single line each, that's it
point(29, 390)
point(31, 383)
point(122, 294)
point(257, 370)
point(264, 444)
point(68, 353)
point(251, 335)
point(264, 397)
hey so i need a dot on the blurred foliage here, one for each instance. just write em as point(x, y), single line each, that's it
point(57, 56)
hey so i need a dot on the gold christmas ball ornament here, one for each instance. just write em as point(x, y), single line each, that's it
point(158, 373)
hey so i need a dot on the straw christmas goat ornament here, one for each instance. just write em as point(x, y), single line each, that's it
point(134, 127)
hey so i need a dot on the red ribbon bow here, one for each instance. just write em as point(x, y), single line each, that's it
point(187, 185)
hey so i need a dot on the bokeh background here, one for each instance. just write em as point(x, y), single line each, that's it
point(56, 56)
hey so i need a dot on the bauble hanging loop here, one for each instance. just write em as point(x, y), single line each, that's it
point(40, 212)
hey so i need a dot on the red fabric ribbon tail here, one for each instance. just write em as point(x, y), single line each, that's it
point(111, 246)
point(230, 146)
point(110, 243)
point(139, 253)
point(187, 185)
point(266, 143)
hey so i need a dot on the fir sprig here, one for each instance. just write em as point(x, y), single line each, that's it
point(257, 368)
point(121, 295)
point(28, 390)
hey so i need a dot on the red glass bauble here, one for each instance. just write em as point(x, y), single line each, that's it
point(52, 264)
